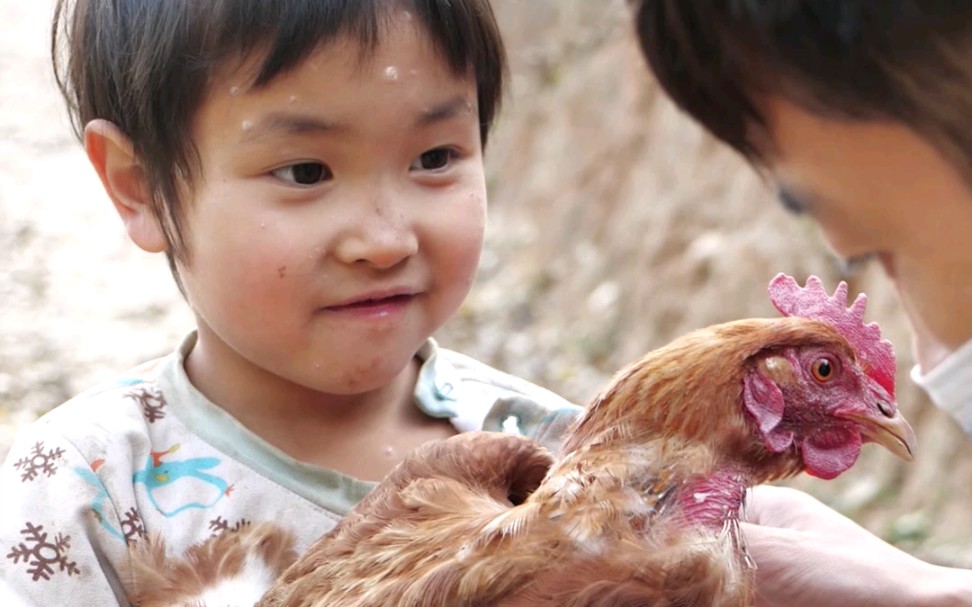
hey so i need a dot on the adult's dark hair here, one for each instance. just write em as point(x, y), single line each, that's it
point(902, 60)
point(145, 65)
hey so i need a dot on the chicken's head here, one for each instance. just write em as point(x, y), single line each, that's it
point(822, 400)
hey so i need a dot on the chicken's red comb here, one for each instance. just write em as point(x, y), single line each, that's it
point(876, 355)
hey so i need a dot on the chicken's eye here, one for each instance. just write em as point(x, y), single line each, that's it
point(822, 370)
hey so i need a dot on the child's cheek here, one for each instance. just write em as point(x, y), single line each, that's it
point(278, 248)
point(268, 266)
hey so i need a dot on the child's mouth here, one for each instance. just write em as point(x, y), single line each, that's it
point(374, 303)
point(379, 307)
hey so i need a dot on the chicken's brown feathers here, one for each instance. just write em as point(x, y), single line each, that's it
point(164, 580)
point(444, 493)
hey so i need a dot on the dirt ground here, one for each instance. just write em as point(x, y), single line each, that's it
point(615, 225)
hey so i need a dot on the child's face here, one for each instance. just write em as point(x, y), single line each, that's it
point(339, 218)
point(877, 188)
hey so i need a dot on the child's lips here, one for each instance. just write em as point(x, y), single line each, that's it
point(381, 306)
point(372, 302)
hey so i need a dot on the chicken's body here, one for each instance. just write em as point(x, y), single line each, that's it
point(224, 571)
point(642, 506)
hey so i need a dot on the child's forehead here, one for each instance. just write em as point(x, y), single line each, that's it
point(254, 68)
point(343, 84)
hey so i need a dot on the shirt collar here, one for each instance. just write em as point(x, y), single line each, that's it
point(439, 386)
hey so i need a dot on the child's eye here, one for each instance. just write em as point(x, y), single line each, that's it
point(304, 173)
point(439, 158)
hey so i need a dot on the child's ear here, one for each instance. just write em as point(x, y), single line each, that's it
point(113, 157)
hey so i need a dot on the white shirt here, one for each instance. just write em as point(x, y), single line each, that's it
point(148, 453)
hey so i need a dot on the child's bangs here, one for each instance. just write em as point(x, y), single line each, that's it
point(286, 32)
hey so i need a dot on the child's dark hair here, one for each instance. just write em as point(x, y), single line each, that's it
point(145, 65)
point(904, 60)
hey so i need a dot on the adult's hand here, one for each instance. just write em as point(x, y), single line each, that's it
point(808, 555)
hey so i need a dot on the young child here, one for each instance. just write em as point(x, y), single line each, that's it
point(860, 113)
point(313, 170)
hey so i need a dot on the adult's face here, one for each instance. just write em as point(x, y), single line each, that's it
point(879, 189)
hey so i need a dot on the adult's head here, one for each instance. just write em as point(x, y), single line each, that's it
point(859, 111)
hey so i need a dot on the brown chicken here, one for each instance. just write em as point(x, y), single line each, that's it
point(226, 570)
point(642, 506)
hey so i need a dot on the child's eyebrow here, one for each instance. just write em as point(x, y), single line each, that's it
point(289, 123)
point(448, 110)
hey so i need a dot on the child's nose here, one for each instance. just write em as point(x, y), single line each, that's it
point(382, 240)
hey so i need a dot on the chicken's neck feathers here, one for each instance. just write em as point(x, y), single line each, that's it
point(659, 396)
point(690, 392)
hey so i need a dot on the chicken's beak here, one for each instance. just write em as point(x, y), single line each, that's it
point(890, 431)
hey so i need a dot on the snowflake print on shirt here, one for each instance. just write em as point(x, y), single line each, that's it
point(40, 554)
point(38, 461)
point(132, 527)
point(152, 402)
point(220, 525)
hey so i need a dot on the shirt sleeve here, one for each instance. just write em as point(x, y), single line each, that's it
point(53, 514)
point(546, 423)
